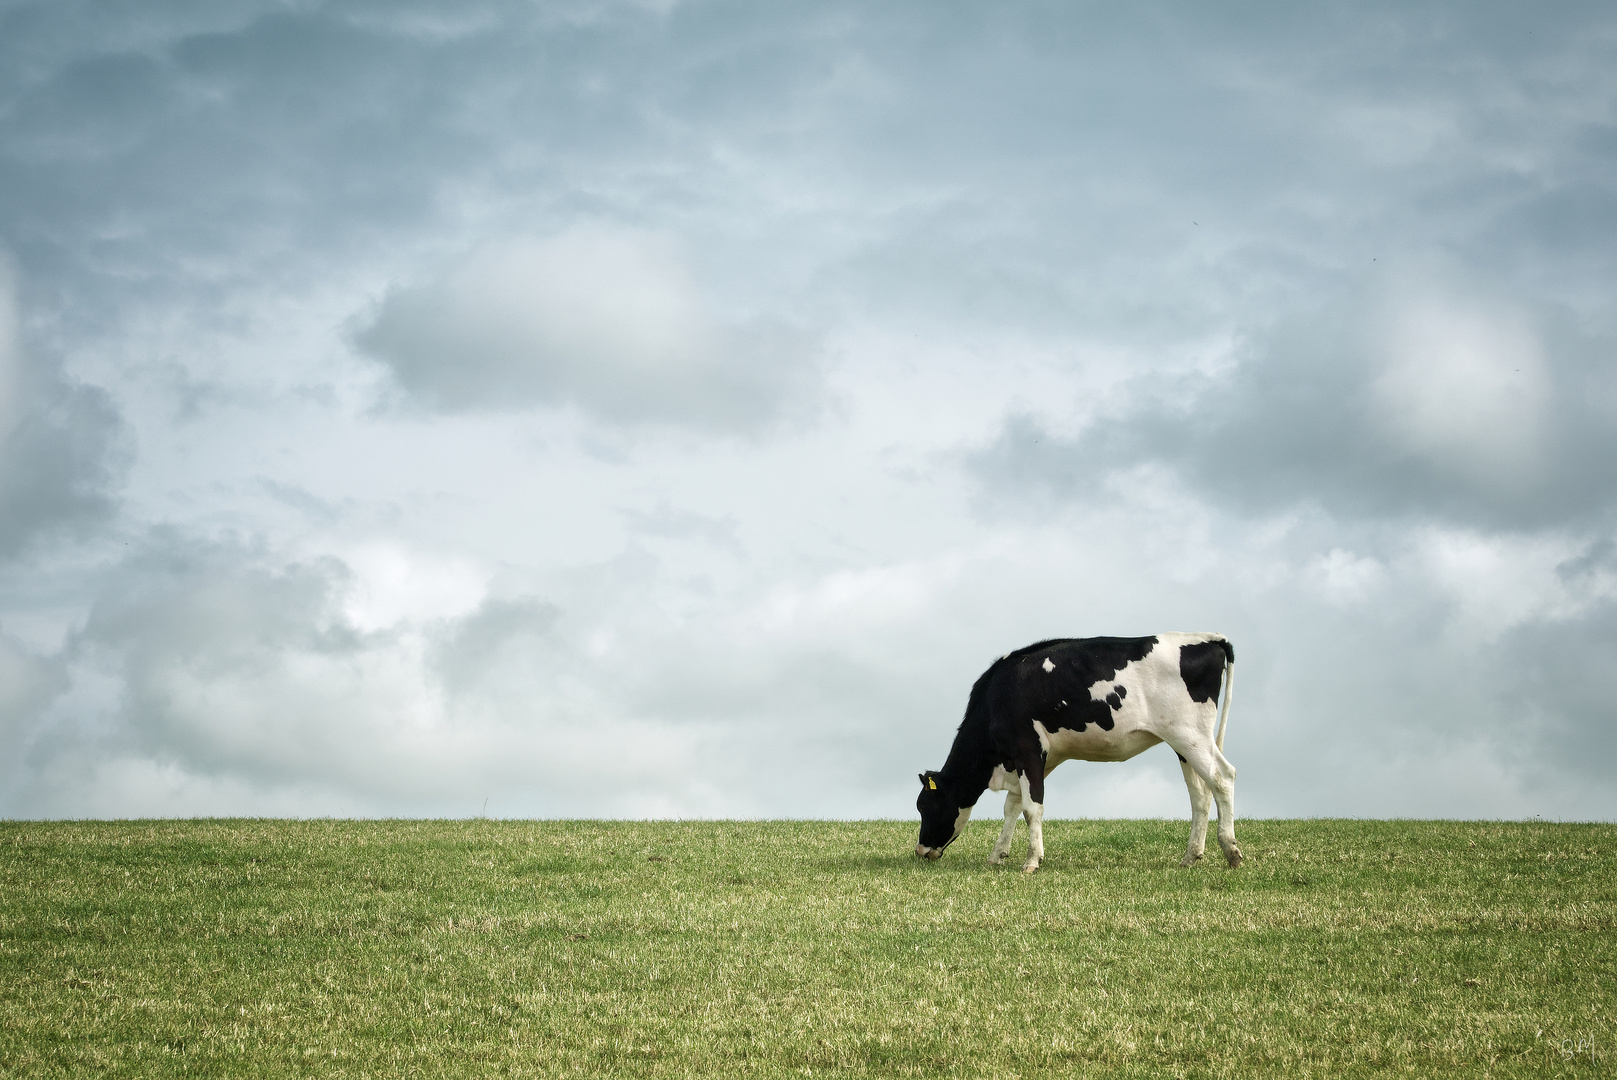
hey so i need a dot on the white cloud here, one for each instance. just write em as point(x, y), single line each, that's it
point(856, 601)
point(1497, 583)
point(1344, 577)
point(392, 584)
point(1466, 388)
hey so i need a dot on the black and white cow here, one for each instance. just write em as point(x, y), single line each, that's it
point(1089, 699)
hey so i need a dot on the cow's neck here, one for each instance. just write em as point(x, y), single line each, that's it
point(971, 759)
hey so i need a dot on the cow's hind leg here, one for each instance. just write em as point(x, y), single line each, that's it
point(1215, 770)
point(1013, 810)
point(1201, 803)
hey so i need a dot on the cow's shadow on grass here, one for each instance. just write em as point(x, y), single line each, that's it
point(906, 862)
point(1079, 859)
point(1071, 846)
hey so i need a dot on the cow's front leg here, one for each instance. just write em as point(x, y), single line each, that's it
point(1033, 810)
point(1013, 810)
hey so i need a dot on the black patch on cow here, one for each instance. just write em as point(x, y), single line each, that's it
point(1202, 667)
point(1021, 686)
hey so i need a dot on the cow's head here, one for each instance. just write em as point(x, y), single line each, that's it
point(942, 817)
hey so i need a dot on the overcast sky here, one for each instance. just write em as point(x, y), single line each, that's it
point(669, 409)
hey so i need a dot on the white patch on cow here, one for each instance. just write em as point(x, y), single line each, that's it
point(1044, 737)
point(961, 819)
point(1049, 664)
point(1001, 780)
point(1094, 744)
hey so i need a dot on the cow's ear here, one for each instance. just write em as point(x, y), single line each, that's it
point(923, 778)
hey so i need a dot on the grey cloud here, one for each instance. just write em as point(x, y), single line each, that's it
point(1560, 683)
point(196, 631)
point(28, 683)
point(1040, 167)
point(668, 522)
point(304, 501)
point(59, 464)
point(468, 652)
point(1408, 402)
point(1598, 560)
point(187, 153)
point(1135, 177)
point(607, 321)
point(63, 444)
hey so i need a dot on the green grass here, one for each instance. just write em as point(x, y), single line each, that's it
point(336, 948)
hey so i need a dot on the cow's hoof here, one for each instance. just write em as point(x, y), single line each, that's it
point(995, 859)
point(1234, 856)
point(1191, 860)
point(1029, 866)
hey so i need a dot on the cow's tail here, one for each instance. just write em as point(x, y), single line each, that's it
point(1229, 690)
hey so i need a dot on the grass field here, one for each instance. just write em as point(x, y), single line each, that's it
point(471, 948)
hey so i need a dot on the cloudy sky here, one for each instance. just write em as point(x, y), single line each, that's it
point(669, 409)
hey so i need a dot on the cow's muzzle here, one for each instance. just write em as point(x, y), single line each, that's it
point(924, 852)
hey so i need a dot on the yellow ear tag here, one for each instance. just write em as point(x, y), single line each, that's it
point(931, 783)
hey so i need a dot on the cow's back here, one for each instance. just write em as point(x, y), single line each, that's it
point(1105, 699)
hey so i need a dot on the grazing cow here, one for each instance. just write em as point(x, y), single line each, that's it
point(1093, 699)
